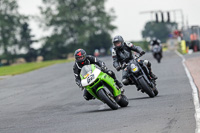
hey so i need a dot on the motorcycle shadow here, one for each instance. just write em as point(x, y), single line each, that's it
point(139, 98)
point(99, 110)
point(143, 98)
point(94, 111)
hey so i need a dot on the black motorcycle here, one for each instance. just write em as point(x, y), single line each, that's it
point(139, 75)
point(157, 52)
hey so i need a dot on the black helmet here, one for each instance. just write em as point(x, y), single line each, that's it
point(156, 40)
point(118, 39)
point(80, 55)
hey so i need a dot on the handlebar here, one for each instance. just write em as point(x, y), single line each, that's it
point(138, 56)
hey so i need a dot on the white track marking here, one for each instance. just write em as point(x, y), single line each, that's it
point(194, 94)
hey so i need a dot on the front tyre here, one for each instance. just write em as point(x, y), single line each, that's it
point(146, 87)
point(106, 98)
point(158, 57)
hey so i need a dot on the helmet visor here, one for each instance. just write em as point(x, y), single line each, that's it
point(117, 43)
point(80, 58)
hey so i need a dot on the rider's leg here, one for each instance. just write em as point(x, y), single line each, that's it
point(148, 64)
point(125, 79)
point(112, 74)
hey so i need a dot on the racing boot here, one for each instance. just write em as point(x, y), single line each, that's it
point(153, 76)
point(119, 85)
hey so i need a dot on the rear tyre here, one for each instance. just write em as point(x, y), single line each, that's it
point(123, 102)
point(107, 99)
point(155, 91)
point(146, 87)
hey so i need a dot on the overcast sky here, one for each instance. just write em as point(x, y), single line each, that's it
point(129, 21)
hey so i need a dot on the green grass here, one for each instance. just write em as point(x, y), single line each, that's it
point(26, 67)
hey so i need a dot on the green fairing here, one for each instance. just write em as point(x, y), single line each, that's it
point(110, 81)
point(102, 77)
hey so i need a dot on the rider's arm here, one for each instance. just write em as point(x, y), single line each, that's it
point(77, 76)
point(115, 60)
point(133, 47)
point(94, 60)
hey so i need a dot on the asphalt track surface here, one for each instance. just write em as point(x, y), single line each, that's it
point(48, 101)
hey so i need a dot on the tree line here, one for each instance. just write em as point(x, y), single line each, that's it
point(72, 24)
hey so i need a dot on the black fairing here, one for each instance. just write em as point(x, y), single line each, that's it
point(142, 72)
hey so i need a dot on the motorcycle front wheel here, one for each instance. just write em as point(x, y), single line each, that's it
point(106, 98)
point(147, 89)
point(158, 57)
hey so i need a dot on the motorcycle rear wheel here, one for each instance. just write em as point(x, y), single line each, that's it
point(155, 92)
point(123, 102)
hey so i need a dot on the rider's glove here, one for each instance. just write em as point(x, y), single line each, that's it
point(123, 65)
point(81, 87)
point(104, 69)
point(142, 53)
point(118, 68)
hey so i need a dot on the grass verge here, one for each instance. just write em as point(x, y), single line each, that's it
point(26, 67)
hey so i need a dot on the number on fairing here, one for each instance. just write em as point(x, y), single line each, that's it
point(90, 78)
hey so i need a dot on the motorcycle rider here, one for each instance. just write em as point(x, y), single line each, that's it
point(154, 42)
point(122, 54)
point(81, 59)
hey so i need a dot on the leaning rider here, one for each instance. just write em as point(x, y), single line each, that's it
point(122, 54)
point(83, 59)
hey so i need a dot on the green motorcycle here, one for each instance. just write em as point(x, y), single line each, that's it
point(101, 86)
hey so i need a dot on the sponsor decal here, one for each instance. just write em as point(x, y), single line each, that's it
point(90, 78)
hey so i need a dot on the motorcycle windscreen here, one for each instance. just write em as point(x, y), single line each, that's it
point(86, 71)
point(88, 76)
